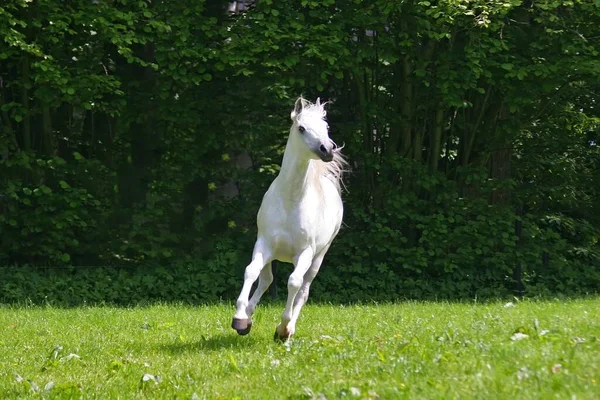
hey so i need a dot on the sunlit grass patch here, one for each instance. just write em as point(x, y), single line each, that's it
point(406, 350)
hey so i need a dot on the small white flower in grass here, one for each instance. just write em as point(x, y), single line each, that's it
point(275, 363)
point(544, 332)
point(556, 368)
point(523, 373)
point(55, 352)
point(372, 395)
point(355, 391)
point(70, 357)
point(308, 392)
point(32, 385)
point(151, 378)
point(519, 336)
point(49, 386)
point(509, 304)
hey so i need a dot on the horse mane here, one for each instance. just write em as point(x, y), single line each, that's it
point(335, 169)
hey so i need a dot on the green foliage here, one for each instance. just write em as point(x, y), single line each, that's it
point(138, 135)
point(432, 243)
point(185, 281)
point(49, 206)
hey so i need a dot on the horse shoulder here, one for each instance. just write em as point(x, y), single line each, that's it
point(331, 194)
point(271, 209)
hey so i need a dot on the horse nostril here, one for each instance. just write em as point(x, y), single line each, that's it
point(323, 149)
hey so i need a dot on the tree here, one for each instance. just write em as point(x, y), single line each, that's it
point(123, 120)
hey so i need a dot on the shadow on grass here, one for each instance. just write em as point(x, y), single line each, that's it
point(219, 342)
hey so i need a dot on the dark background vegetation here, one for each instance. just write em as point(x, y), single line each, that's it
point(138, 139)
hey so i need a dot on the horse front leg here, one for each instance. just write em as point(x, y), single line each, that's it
point(241, 321)
point(264, 281)
point(284, 330)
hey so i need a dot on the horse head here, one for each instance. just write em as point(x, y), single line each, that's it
point(310, 131)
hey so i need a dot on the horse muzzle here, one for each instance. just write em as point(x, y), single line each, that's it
point(324, 153)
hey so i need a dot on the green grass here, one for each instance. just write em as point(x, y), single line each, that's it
point(405, 350)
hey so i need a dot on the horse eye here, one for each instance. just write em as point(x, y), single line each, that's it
point(301, 129)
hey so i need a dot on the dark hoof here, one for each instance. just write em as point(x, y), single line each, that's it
point(242, 326)
point(280, 339)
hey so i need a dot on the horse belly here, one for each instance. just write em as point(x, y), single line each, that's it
point(318, 230)
point(283, 236)
point(289, 239)
point(328, 220)
point(285, 247)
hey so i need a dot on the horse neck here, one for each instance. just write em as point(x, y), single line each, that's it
point(295, 172)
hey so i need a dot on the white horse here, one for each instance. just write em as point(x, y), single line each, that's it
point(299, 217)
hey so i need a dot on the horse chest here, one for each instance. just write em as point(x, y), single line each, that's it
point(292, 227)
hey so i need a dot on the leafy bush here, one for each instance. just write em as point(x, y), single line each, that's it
point(49, 207)
point(432, 243)
point(120, 125)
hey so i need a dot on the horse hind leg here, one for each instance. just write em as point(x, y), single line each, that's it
point(284, 330)
point(302, 295)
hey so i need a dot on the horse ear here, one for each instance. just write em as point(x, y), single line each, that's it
point(322, 106)
point(298, 106)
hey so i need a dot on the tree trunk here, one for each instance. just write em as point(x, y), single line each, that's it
point(500, 169)
point(25, 102)
point(146, 144)
point(367, 135)
point(406, 107)
point(418, 146)
point(435, 142)
point(48, 142)
point(11, 140)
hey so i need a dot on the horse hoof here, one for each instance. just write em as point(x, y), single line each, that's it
point(278, 338)
point(244, 332)
point(242, 326)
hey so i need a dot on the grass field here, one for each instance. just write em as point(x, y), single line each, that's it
point(405, 350)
